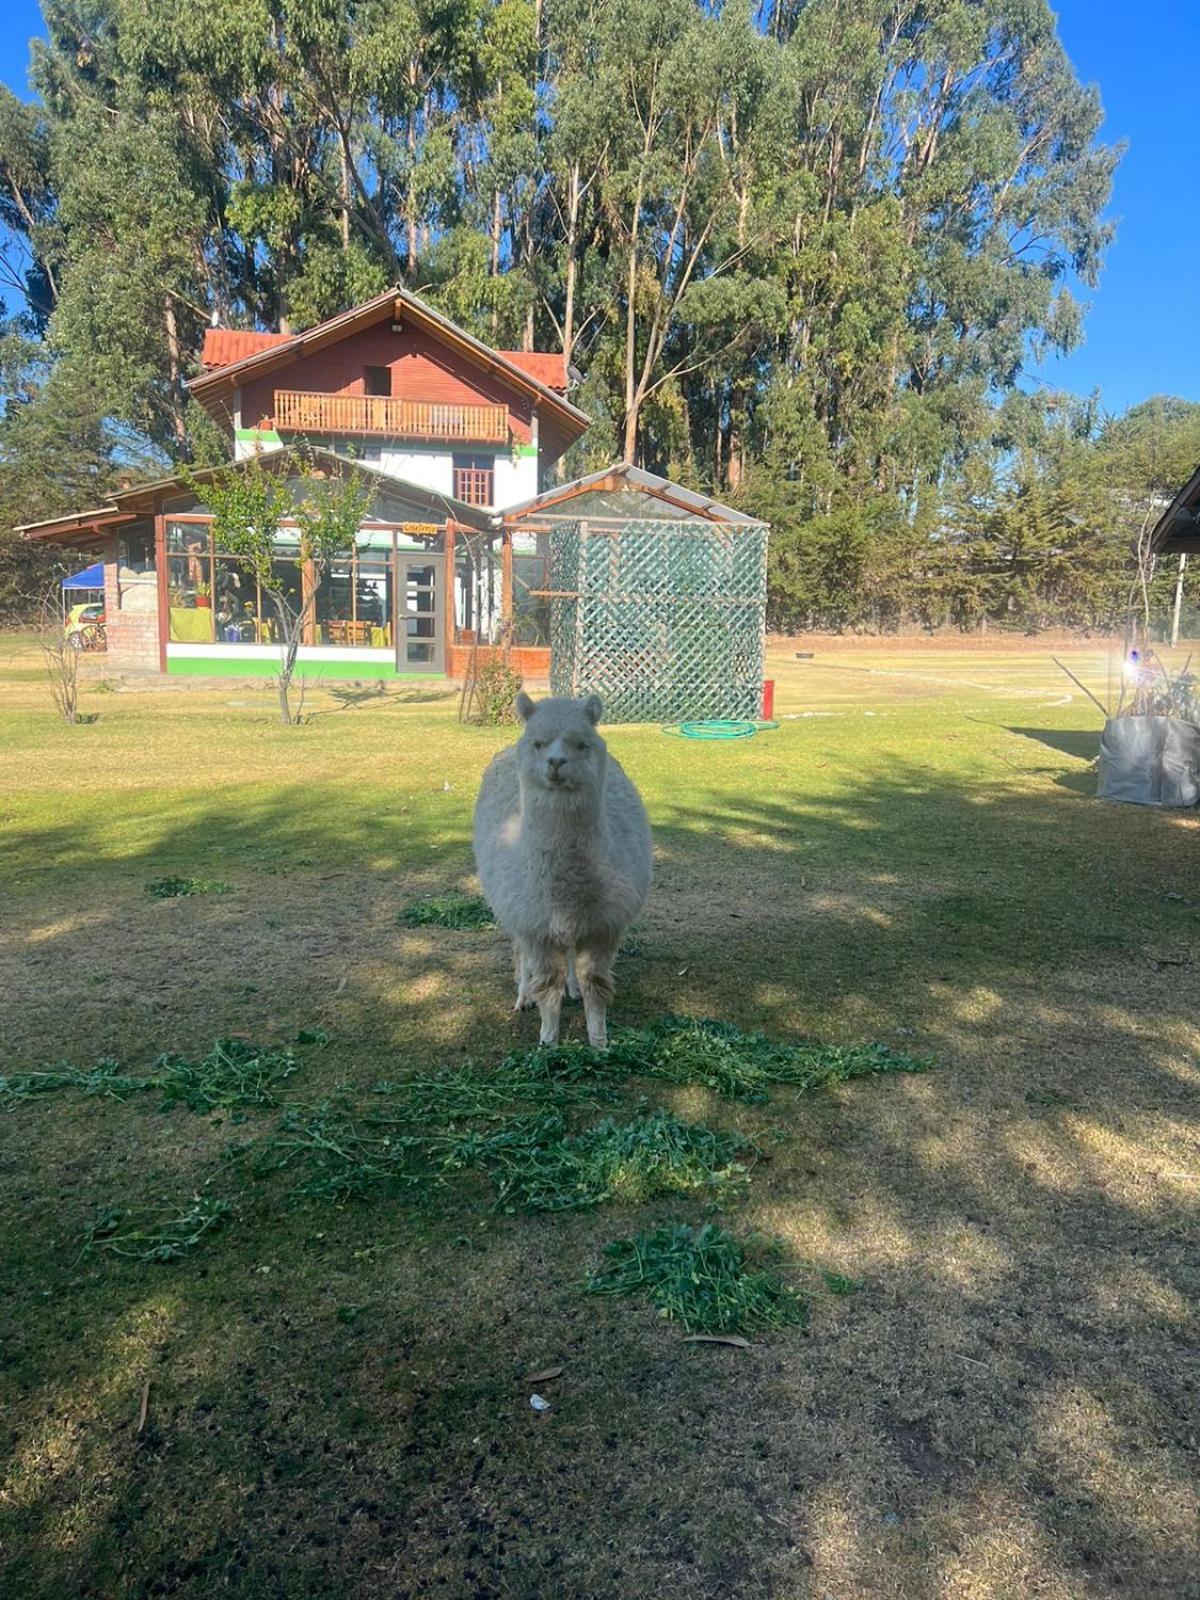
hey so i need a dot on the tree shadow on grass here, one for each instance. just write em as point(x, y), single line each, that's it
point(1001, 1410)
point(1082, 744)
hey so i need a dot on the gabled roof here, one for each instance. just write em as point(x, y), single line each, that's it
point(143, 498)
point(1178, 529)
point(214, 390)
point(628, 479)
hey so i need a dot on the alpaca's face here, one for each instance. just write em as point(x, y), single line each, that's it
point(560, 750)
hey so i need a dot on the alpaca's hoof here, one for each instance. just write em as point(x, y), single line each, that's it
point(599, 1041)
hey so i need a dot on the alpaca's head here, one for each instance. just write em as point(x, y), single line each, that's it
point(559, 751)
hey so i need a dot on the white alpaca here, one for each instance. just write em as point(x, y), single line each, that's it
point(562, 844)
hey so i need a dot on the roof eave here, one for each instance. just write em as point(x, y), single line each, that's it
point(1167, 537)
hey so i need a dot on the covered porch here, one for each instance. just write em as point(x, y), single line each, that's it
point(177, 603)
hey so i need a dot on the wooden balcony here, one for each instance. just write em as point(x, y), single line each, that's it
point(386, 414)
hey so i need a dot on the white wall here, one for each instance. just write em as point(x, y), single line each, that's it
point(516, 470)
point(516, 480)
point(428, 469)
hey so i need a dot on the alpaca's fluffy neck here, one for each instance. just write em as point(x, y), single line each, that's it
point(554, 817)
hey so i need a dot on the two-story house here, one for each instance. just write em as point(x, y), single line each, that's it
point(450, 433)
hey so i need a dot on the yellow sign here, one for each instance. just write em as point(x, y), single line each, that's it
point(420, 527)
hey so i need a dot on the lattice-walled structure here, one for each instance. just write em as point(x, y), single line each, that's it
point(663, 619)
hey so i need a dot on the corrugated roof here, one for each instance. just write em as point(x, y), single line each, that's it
point(637, 479)
point(137, 498)
point(223, 345)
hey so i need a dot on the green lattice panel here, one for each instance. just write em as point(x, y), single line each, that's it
point(664, 620)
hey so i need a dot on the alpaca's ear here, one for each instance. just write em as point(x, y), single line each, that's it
point(525, 706)
point(593, 709)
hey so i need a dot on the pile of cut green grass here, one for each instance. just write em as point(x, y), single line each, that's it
point(234, 1074)
point(450, 910)
point(178, 888)
point(106, 1078)
point(536, 1162)
point(742, 1066)
point(704, 1278)
point(158, 1236)
point(517, 1125)
point(338, 1154)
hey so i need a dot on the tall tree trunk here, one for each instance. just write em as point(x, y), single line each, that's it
point(497, 231)
point(1178, 606)
point(527, 235)
point(629, 449)
point(175, 379)
point(345, 198)
point(410, 199)
point(573, 197)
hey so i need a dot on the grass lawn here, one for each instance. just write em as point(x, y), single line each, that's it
point(338, 1402)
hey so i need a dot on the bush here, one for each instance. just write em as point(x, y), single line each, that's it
point(496, 690)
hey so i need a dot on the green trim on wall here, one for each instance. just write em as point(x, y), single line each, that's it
point(258, 435)
point(525, 449)
point(214, 667)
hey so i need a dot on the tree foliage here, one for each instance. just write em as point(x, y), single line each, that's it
point(801, 251)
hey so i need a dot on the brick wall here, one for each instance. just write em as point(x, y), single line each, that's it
point(133, 639)
point(132, 635)
point(531, 661)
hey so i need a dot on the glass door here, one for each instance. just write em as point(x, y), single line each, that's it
point(419, 633)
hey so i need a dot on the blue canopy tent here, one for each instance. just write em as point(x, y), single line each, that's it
point(90, 578)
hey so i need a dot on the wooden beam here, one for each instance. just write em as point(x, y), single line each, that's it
point(448, 586)
point(164, 603)
point(506, 581)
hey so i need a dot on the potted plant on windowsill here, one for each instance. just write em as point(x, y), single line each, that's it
point(203, 597)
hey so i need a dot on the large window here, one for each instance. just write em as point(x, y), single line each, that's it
point(214, 598)
point(354, 602)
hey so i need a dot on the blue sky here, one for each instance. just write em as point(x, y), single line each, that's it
point(1142, 335)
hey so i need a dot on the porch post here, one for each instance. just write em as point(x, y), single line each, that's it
point(308, 601)
point(506, 581)
point(160, 568)
point(448, 593)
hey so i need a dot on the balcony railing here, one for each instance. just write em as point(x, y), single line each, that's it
point(401, 419)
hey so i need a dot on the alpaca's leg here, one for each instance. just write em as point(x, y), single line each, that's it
point(522, 968)
point(547, 981)
point(572, 976)
point(596, 983)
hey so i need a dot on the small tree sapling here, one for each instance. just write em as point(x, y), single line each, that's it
point(249, 505)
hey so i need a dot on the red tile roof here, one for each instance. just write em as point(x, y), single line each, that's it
point(546, 368)
point(223, 345)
